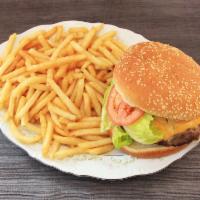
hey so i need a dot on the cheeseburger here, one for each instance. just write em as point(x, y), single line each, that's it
point(152, 106)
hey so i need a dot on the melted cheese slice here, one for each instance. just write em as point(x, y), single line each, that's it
point(170, 128)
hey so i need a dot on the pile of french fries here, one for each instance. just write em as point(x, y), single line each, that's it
point(52, 84)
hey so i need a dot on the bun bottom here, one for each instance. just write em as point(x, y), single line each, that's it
point(151, 151)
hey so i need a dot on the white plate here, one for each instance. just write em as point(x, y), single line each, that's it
point(115, 165)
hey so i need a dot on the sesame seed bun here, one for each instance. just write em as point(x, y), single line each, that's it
point(151, 151)
point(159, 79)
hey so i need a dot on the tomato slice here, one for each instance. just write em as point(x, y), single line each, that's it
point(119, 111)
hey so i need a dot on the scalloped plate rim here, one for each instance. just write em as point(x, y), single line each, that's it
point(78, 171)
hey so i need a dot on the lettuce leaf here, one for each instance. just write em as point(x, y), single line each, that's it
point(120, 138)
point(143, 131)
point(106, 124)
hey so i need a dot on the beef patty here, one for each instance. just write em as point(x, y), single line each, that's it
point(184, 137)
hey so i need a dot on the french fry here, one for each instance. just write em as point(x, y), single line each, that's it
point(64, 121)
point(89, 77)
point(59, 104)
point(82, 109)
point(53, 44)
point(98, 42)
point(68, 140)
point(29, 93)
point(11, 106)
point(42, 96)
point(92, 137)
point(97, 87)
point(28, 104)
point(40, 87)
point(21, 103)
point(60, 112)
point(13, 74)
point(101, 75)
point(90, 35)
point(5, 93)
point(78, 29)
point(74, 92)
point(77, 75)
point(107, 61)
point(85, 65)
point(50, 73)
point(54, 118)
point(47, 138)
point(65, 42)
point(87, 104)
point(117, 52)
point(43, 123)
point(24, 120)
point(89, 131)
point(100, 98)
point(94, 100)
point(13, 66)
point(9, 45)
point(95, 53)
point(99, 63)
point(61, 131)
point(82, 125)
point(34, 43)
point(37, 54)
point(93, 144)
point(97, 119)
point(48, 52)
point(55, 63)
point(80, 89)
point(70, 105)
point(61, 72)
point(71, 88)
point(108, 55)
point(43, 41)
point(67, 51)
point(54, 148)
point(59, 33)
point(40, 105)
point(118, 43)
point(27, 57)
point(6, 64)
point(91, 70)
point(33, 128)
point(29, 81)
point(21, 63)
point(65, 83)
point(22, 138)
point(101, 150)
point(50, 32)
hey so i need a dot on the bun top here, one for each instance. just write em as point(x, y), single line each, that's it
point(159, 79)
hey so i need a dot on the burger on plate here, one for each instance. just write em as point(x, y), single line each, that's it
point(152, 106)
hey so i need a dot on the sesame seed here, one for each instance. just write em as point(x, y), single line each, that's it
point(168, 80)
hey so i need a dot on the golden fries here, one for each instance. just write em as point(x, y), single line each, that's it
point(68, 140)
point(47, 137)
point(65, 99)
point(91, 131)
point(92, 144)
point(101, 150)
point(52, 84)
point(9, 46)
point(81, 125)
point(22, 138)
